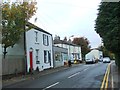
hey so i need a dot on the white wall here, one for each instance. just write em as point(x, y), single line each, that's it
point(60, 45)
point(0, 49)
point(71, 49)
point(30, 43)
point(0, 60)
point(13, 58)
point(17, 51)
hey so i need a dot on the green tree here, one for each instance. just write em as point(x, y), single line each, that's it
point(14, 18)
point(106, 53)
point(107, 26)
point(84, 43)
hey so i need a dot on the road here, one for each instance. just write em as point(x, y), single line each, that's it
point(81, 76)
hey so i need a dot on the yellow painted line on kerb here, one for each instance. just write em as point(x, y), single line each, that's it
point(106, 85)
point(105, 79)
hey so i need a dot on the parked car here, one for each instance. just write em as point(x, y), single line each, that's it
point(106, 60)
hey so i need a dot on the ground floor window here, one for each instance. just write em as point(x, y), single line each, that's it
point(47, 56)
point(37, 56)
point(65, 56)
point(57, 56)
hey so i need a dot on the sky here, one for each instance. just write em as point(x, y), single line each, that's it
point(68, 17)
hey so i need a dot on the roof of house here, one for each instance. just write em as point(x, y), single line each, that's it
point(57, 41)
point(60, 49)
point(37, 28)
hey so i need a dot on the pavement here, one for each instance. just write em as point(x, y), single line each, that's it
point(114, 76)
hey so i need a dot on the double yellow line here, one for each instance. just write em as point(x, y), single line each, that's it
point(105, 79)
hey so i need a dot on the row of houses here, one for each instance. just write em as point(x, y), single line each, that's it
point(38, 50)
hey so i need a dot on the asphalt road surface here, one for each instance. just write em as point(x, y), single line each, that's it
point(81, 76)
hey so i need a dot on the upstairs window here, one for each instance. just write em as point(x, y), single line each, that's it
point(45, 40)
point(37, 57)
point(36, 36)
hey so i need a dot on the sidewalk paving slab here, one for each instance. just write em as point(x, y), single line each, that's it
point(114, 76)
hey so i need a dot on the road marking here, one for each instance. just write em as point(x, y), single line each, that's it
point(105, 79)
point(112, 83)
point(74, 75)
point(106, 85)
point(77, 73)
point(51, 85)
point(85, 69)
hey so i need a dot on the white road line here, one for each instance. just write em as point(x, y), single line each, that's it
point(73, 75)
point(76, 73)
point(85, 69)
point(112, 83)
point(51, 85)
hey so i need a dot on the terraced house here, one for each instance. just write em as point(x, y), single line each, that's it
point(39, 52)
point(39, 49)
point(74, 51)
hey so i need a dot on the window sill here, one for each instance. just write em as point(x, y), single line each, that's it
point(45, 45)
point(36, 42)
point(46, 62)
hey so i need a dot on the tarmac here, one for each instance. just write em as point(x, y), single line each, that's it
point(35, 75)
point(114, 76)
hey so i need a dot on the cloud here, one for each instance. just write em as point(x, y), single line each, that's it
point(67, 17)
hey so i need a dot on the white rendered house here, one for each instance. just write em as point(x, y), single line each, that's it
point(74, 51)
point(39, 49)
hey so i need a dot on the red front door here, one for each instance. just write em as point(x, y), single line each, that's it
point(31, 60)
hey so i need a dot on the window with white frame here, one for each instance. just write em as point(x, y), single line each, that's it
point(36, 36)
point(47, 56)
point(45, 40)
point(37, 56)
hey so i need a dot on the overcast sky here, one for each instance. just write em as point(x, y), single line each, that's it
point(69, 17)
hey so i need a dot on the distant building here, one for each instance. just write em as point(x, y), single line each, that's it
point(74, 51)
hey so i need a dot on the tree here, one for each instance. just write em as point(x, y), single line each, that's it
point(107, 26)
point(14, 19)
point(106, 53)
point(84, 43)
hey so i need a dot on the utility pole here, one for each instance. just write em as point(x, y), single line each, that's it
point(25, 60)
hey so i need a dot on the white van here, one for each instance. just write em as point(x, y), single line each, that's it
point(89, 58)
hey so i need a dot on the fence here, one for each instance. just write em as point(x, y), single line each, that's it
point(13, 65)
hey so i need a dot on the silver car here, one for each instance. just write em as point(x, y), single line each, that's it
point(106, 60)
